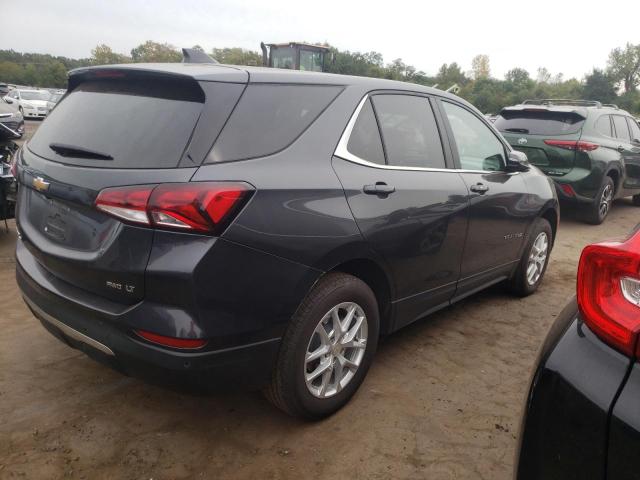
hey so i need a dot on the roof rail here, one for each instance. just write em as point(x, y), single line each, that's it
point(563, 101)
point(611, 105)
point(190, 55)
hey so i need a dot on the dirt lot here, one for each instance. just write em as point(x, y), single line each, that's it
point(442, 400)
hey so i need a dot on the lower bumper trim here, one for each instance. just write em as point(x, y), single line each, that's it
point(67, 330)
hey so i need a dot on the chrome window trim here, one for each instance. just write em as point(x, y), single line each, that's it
point(342, 151)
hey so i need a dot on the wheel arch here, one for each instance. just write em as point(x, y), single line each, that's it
point(551, 215)
point(375, 276)
point(614, 173)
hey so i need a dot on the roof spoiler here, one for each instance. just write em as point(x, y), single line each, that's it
point(190, 55)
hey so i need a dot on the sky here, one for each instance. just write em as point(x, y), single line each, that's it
point(567, 37)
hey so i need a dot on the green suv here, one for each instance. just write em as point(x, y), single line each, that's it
point(590, 150)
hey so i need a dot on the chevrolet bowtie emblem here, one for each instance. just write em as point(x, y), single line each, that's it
point(40, 185)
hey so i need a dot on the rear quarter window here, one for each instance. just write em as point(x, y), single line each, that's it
point(532, 122)
point(268, 118)
point(603, 126)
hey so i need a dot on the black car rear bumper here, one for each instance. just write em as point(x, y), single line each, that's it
point(109, 338)
point(574, 387)
point(576, 198)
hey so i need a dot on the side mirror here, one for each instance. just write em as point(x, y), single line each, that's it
point(517, 161)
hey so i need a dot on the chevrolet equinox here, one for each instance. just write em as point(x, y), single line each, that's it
point(263, 228)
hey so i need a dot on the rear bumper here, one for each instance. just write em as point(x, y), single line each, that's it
point(245, 366)
point(576, 198)
point(565, 424)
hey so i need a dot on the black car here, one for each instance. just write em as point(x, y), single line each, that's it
point(260, 227)
point(591, 150)
point(582, 416)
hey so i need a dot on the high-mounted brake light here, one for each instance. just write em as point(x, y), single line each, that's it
point(204, 207)
point(579, 146)
point(173, 342)
point(609, 292)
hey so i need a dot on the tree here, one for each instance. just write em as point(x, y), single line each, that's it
point(103, 55)
point(480, 67)
point(237, 56)
point(599, 86)
point(151, 51)
point(449, 75)
point(543, 76)
point(624, 66)
point(519, 77)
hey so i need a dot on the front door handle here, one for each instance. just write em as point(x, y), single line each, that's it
point(380, 188)
point(480, 188)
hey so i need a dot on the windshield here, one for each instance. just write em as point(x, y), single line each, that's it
point(32, 95)
point(55, 97)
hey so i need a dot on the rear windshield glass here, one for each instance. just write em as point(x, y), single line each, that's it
point(539, 123)
point(121, 123)
point(269, 118)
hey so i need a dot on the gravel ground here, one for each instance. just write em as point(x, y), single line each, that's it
point(442, 400)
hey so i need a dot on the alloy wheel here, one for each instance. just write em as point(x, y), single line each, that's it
point(537, 258)
point(605, 201)
point(335, 350)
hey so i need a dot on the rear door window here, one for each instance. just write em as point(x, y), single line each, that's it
point(622, 129)
point(409, 131)
point(539, 122)
point(603, 126)
point(268, 118)
point(130, 123)
point(478, 147)
point(364, 141)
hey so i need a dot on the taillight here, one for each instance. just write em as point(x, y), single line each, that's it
point(173, 342)
point(573, 145)
point(609, 292)
point(204, 207)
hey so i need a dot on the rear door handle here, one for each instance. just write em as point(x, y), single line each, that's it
point(480, 188)
point(380, 188)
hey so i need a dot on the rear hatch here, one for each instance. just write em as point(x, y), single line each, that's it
point(115, 127)
point(547, 135)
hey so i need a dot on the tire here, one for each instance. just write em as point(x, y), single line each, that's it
point(601, 207)
point(289, 389)
point(636, 200)
point(522, 283)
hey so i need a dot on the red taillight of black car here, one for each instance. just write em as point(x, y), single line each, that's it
point(578, 146)
point(609, 292)
point(203, 207)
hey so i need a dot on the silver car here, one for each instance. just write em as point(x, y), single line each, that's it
point(11, 118)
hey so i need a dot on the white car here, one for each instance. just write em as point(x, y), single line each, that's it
point(31, 103)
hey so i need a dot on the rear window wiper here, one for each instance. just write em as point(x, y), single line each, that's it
point(78, 152)
point(517, 130)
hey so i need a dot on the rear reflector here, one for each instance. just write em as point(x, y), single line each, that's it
point(205, 207)
point(609, 292)
point(568, 189)
point(572, 145)
point(182, 343)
